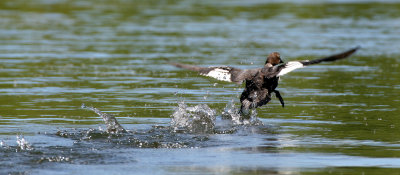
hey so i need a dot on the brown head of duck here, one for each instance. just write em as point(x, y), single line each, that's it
point(273, 59)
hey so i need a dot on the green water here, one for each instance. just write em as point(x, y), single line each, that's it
point(340, 117)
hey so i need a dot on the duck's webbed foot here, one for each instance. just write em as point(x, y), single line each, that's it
point(278, 95)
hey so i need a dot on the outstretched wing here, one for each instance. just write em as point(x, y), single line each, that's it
point(285, 68)
point(223, 73)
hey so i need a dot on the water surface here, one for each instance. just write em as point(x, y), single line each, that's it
point(339, 118)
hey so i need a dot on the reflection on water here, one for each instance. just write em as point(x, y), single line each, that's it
point(56, 55)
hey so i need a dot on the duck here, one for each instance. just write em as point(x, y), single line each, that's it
point(260, 83)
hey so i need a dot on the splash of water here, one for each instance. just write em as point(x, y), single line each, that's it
point(197, 122)
point(231, 112)
point(197, 119)
point(113, 127)
point(3, 144)
point(54, 159)
point(23, 144)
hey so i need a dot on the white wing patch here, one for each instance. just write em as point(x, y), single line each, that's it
point(290, 66)
point(219, 74)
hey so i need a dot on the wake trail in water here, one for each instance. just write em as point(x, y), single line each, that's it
point(199, 119)
point(196, 126)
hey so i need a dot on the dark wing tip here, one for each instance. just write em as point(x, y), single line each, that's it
point(342, 55)
point(188, 67)
point(332, 57)
point(351, 51)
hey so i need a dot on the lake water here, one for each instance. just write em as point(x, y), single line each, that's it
point(55, 55)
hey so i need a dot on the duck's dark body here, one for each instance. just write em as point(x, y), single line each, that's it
point(260, 82)
point(258, 91)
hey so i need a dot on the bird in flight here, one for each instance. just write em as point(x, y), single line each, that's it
point(260, 82)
